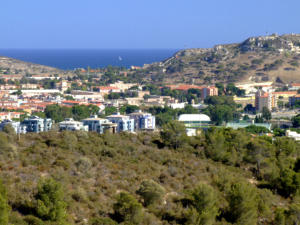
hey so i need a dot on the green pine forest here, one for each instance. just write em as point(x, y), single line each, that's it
point(221, 176)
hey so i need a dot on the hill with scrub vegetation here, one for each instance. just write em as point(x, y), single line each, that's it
point(13, 66)
point(223, 176)
point(265, 58)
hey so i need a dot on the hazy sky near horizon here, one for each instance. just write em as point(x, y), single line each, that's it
point(141, 23)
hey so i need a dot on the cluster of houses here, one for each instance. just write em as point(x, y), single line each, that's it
point(34, 98)
point(264, 94)
point(114, 123)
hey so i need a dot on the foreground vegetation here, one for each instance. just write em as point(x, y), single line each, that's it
point(219, 177)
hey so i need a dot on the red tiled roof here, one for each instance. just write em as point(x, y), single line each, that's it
point(184, 87)
point(70, 102)
point(295, 85)
point(107, 88)
point(285, 93)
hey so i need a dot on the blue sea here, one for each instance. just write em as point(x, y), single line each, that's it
point(82, 58)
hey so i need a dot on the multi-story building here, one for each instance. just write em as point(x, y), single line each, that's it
point(143, 121)
point(63, 85)
point(106, 89)
point(264, 99)
point(283, 95)
point(244, 100)
point(206, 91)
point(36, 124)
point(294, 99)
point(13, 124)
point(30, 86)
point(294, 86)
point(124, 123)
point(209, 91)
point(97, 124)
point(10, 115)
point(122, 86)
point(72, 125)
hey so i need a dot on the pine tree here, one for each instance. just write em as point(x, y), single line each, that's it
point(49, 201)
point(204, 202)
point(243, 204)
point(128, 209)
point(174, 134)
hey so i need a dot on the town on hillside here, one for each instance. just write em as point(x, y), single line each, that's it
point(113, 100)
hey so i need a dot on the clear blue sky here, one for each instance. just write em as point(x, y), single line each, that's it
point(141, 23)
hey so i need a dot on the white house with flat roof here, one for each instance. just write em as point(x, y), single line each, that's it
point(72, 125)
point(96, 124)
point(293, 134)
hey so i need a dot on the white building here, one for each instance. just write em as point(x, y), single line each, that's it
point(143, 121)
point(122, 86)
point(37, 92)
point(293, 134)
point(194, 122)
point(86, 95)
point(124, 123)
point(96, 124)
point(177, 105)
point(13, 124)
point(72, 125)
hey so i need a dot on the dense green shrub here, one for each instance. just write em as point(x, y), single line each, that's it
point(151, 192)
point(173, 134)
point(243, 204)
point(102, 221)
point(128, 209)
point(204, 203)
point(50, 204)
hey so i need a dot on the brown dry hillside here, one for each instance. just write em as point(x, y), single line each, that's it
point(14, 66)
point(267, 58)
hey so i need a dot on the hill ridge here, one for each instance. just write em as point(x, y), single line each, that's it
point(262, 58)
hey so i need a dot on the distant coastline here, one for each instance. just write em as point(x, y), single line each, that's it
point(69, 59)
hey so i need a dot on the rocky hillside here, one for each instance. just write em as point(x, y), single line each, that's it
point(264, 58)
point(14, 66)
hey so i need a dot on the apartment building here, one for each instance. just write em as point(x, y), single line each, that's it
point(124, 123)
point(209, 91)
point(264, 99)
point(98, 125)
point(13, 124)
point(36, 125)
point(294, 99)
point(143, 121)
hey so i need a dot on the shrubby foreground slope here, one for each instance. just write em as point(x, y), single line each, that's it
point(221, 177)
